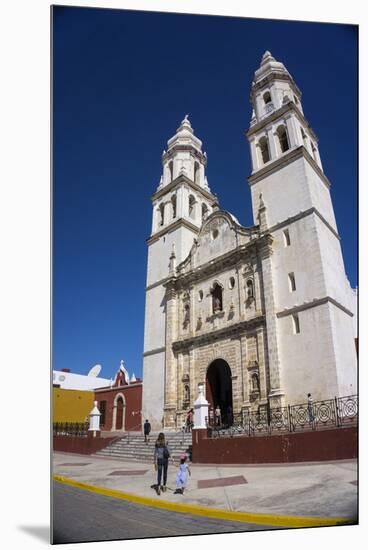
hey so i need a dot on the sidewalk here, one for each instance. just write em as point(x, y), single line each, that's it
point(317, 490)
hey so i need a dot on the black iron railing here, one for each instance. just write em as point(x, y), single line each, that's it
point(73, 429)
point(337, 412)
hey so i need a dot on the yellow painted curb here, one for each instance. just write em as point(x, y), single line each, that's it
point(244, 517)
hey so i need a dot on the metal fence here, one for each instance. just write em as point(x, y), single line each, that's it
point(337, 412)
point(73, 429)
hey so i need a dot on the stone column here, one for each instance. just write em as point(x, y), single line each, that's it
point(317, 157)
point(253, 153)
point(291, 129)
point(276, 393)
point(271, 143)
point(168, 212)
point(170, 405)
point(94, 420)
point(200, 410)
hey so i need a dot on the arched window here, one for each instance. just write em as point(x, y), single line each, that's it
point(191, 206)
point(196, 172)
point(173, 202)
point(296, 326)
point(162, 213)
point(267, 97)
point(255, 382)
point(216, 298)
point(231, 283)
point(171, 170)
point(286, 237)
point(283, 138)
point(292, 285)
point(250, 289)
point(265, 151)
point(204, 211)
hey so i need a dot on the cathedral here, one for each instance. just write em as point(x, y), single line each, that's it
point(261, 315)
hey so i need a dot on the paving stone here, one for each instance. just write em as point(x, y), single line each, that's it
point(75, 464)
point(128, 473)
point(221, 482)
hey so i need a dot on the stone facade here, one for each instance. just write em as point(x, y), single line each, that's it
point(270, 305)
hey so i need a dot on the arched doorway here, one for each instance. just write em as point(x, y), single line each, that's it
point(219, 389)
point(118, 417)
point(119, 413)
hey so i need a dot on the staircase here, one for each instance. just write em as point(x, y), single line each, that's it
point(132, 447)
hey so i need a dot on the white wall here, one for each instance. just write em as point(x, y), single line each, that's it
point(302, 258)
point(153, 389)
point(333, 265)
point(285, 193)
point(154, 324)
point(345, 352)
point(307, 359)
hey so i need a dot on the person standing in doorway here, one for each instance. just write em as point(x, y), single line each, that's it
point(146, 430)
point(310, 408)
point(212, 416)
point(218, 415)
point(189, 421)
point(161, 462)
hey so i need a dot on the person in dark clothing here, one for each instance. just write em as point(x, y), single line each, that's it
point(161, 461)
point(189, 420)
point(146, 431)
point(310, 408)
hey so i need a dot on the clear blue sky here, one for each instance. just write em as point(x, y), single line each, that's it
point(123, 81)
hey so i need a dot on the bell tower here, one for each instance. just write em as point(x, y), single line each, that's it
point(309, 318)
point(181, 203)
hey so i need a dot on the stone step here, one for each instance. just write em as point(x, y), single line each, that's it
point(133, 447)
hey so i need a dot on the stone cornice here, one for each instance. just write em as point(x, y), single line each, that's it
point(314, 303)
point(170, 153)
point(179, 181)
point(228, 331)
point(181, 222)
point(275, 115)
point(154, 351)
point(285, 159)
point(158, 283)
point(223, 262)
point(301, 215)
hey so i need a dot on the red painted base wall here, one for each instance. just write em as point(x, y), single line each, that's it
point(335, 444)
point(80, 445)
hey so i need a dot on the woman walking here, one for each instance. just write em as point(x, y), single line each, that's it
point(161, 461)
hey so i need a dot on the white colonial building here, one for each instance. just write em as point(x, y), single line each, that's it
point(263, 314)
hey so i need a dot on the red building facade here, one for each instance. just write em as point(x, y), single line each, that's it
point(120, 404)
